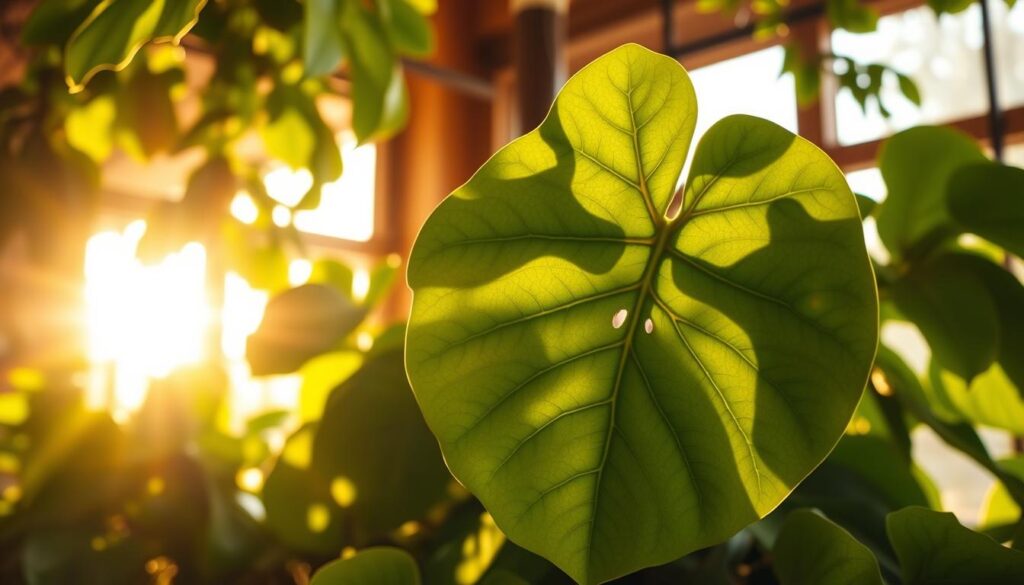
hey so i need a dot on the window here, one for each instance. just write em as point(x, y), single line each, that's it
point(749, 84)
point(944, 56)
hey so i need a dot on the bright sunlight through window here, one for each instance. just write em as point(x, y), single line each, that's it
point(346, 206)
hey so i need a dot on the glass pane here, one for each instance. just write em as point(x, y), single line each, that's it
point(944, 56)
point(749, 84)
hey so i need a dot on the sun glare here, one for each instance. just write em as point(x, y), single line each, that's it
point(143, 321)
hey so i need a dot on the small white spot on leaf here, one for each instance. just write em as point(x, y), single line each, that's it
point(619, 318)
point(649, 326)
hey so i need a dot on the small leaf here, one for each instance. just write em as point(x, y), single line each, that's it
point(379, 96)
point(949, 6)
point(298, 325)
point(917, 165)
point(852, 15)
point(952, 307)
point(812, 549)
point(408, 28)
point(988, 200)
point(909, 89)
point(116, 29)
point(372, 566)
point(89, 127)
point(322, 49)
point(935, 549)
point(583, 359)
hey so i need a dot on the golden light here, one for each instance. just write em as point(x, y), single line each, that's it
point(287, 186)
point(250, 479)
point(299, 271)
point(244, 209)
point(360, 283)
point(281, 215)
point(142, 321)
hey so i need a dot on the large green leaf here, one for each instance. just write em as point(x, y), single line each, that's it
point(116, 29)
point(954, 310)
point(375, 450)
point(988, 200)
point(935, 549)
point(812, 549)
point(916, 165)
point(373, 566)
point(619, 387)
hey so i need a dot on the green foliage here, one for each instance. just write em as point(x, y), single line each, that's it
point(953, 309)
point(116, 29)
point(917, 165)
point(934, 548)
point(565, 230)
point(372, 481)
point(299, 324)
point(812, 549)
point(851, 15)
point(985, 199)
point(373, 566)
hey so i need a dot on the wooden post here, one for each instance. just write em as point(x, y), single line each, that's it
point(540, 58)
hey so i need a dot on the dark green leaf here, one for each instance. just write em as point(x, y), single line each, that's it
point(298, 325)
point(988, 200)
point(408, 29)
point(552, 297)
point(949, 6)
point(53, 21)
point(380, 100)
point(396, 477)
point(852, 15)
point(865, 205)
point(952, 307)
point(115, 30)
point(372, 566)
point(812, 549)
point(301, 512)
point(935, 549)
point(909, 89)
point(322, 49)
point(916, 165)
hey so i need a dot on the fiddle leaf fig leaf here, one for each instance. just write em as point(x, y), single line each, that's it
point(955, 312)
point(618, 386)
point(117, 29)
point(383, 565)
point(916, 165)
point(813, 549)
point(934, 548)
point(988, 200)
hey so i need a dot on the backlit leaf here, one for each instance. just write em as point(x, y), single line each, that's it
point(934, 549)
point(298, 325)
point(322, 42)
point(812, 549)
point(116, 29)
point(619, 387)
point(988, 200)
point(372, 566)
point(916, 165)
point(953, 309)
